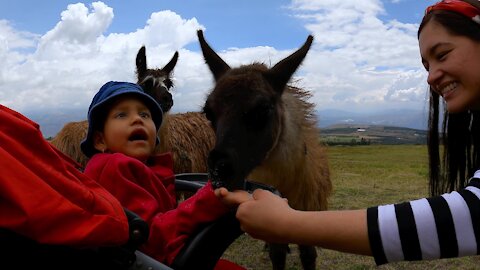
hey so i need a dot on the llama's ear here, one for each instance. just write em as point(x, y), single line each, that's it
point(141, 62)
point(169, 67)
point(280, 74)
point(214, 62)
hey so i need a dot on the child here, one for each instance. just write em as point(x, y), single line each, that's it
point(120, 142)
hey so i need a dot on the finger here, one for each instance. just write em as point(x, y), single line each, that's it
point(261, 193)
point(257, 194)
point(235, 198)
point(241, 196)
point(221, 192)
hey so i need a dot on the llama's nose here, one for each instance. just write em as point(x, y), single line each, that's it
point(220, 168)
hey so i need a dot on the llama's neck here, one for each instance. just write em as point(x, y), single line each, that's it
point(163, 131)
point(292, 146)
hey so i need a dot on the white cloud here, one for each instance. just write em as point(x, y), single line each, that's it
point(72, 60)
point(357, 62)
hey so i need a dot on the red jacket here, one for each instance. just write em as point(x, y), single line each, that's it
point(149, 191)
point(45, 197)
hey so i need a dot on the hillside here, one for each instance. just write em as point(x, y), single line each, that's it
point(53, 119)
point(371, 134)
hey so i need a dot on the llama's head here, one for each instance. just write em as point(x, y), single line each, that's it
point(246, 111)
point(156, 82)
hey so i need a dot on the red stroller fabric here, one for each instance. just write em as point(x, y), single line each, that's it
point(43, 195)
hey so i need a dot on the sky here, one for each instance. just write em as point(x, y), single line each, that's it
point(55, 55)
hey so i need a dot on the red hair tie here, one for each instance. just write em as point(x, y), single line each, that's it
point(458, 6)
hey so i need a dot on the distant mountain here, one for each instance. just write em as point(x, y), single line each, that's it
point(51, 121)
point(415, 119)
point(371, 134)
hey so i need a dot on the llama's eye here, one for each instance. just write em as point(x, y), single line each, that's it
point(168, 83)
point(147, 85)
point(259, 116)
point(209, 115)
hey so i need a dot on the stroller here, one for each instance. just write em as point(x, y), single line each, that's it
point(202, 250)
point(53, 217)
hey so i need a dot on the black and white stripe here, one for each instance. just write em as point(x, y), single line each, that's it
point(439, 227)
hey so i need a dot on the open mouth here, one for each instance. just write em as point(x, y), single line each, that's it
point(138, 135)
point(447, 89)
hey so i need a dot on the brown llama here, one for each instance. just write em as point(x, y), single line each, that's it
point(266, 131)
point(187, 136)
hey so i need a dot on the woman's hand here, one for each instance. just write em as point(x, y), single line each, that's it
point(266, 216)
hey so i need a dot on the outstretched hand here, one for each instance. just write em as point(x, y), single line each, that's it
point(268, 217)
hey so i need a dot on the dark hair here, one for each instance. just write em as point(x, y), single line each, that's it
point(460, 133)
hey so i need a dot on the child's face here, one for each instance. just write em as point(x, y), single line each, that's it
point(128, 129)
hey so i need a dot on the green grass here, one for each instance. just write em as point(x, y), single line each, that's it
point(362, 176)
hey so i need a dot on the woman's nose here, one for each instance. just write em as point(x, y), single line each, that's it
point(434, 75)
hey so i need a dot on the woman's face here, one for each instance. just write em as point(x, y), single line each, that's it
point(453, 65)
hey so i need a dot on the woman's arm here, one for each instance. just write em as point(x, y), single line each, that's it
point(268, 217)
point(429, 228)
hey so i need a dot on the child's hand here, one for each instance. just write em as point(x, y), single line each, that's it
point(232, 199)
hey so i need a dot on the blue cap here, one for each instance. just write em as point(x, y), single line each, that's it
point(105, 95)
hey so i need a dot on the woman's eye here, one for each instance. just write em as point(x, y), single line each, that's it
point(442, 55)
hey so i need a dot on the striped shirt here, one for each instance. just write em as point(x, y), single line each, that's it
point(431, 228)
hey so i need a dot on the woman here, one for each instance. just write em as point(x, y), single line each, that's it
point(430, 228)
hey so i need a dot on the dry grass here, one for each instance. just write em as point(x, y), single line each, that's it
point(362, 176)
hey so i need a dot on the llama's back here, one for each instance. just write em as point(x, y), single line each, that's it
point(189, 137)
point(68, 140)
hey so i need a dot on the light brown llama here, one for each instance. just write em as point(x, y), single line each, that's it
point(187, 136)
point(266, 131)
point(68, 141)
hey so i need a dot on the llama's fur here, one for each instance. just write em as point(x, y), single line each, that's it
point(189, 137)
point(68, 140)
point(298, 165)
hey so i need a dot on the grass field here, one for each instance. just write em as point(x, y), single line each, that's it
point(362, 176)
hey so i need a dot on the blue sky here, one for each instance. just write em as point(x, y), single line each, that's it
point(254, 22)
point(56, 54)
